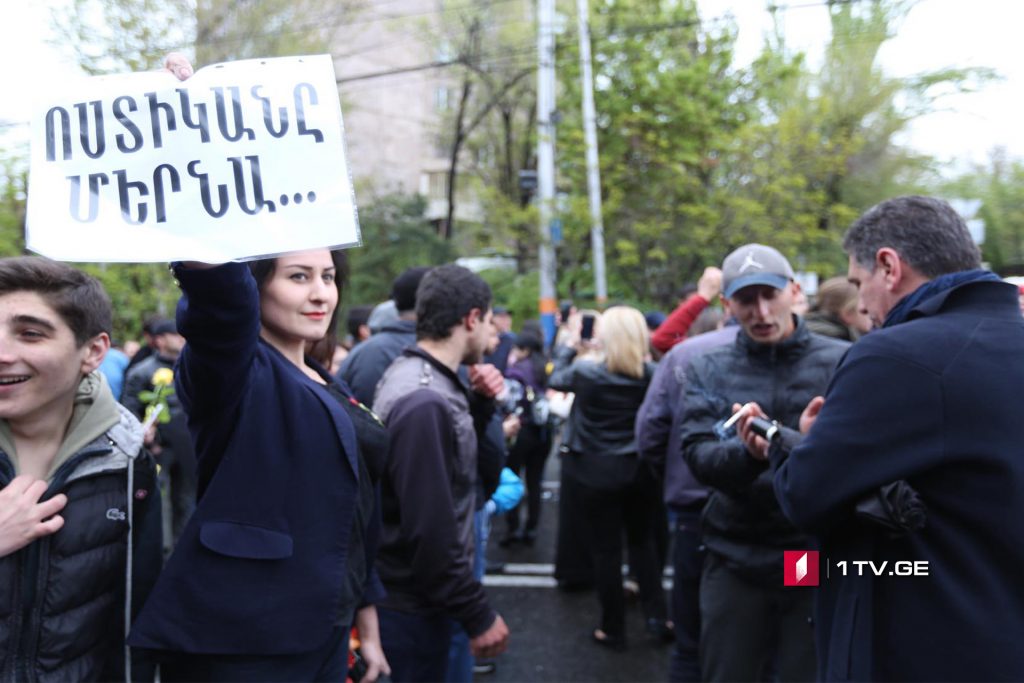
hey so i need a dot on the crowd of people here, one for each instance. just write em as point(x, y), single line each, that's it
point(317, 494)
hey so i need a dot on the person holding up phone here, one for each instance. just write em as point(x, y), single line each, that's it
point(587, 327)
point(615, 492)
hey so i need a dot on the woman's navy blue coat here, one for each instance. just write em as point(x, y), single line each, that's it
point(261, 564)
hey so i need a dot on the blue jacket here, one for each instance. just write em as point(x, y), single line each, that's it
point(365, 365)
point(260, 565)
point(934, 401)
point(659, 421)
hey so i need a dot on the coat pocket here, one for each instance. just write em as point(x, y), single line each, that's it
point(245, 541)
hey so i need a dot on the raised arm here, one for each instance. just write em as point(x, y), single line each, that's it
point(219, 316)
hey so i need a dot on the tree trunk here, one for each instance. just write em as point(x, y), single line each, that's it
point(453, 164)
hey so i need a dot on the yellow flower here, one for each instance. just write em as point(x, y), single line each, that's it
point(163, 377)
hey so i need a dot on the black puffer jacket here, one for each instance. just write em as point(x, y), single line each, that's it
point(742, 520)
point(63, 597)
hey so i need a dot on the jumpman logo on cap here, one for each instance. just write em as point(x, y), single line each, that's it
point(749, 262)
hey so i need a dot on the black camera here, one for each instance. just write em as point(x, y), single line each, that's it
point(766, 429)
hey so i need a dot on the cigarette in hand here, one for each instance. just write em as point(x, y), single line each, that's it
point(737, 415)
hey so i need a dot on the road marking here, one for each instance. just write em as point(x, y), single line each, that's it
point(545, 569)
point(503, 581)
point(524, 581)
point(540, 569)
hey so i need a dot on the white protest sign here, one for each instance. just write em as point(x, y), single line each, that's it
point(244, 159)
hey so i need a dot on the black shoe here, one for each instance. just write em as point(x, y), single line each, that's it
point(529, 537)
point(661, 630)
point(616, 643)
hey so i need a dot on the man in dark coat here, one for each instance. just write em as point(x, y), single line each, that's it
point(931, 398)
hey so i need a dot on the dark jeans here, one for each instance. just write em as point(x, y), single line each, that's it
point(687, 563)
point(746, 627)
point(327, 663)
point(529, 452)
point(416, 646)
point(607, 513)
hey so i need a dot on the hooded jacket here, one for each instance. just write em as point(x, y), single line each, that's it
point(742, 521)
point(66, 599)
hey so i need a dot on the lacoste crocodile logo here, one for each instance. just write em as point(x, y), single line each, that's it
point(115, 515)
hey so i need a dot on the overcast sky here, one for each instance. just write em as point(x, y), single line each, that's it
point(936, 34)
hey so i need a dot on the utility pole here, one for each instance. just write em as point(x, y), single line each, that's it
point(546, 162)
point(593, 169)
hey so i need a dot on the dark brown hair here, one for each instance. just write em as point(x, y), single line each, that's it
point(263, 269)
point(79, 299)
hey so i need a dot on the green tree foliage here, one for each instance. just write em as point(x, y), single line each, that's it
point(488, 129)
point(516, 292)
point(395, 236)
point(13, 183)
point(857, 111)
point(137, 291)
point(115, 36)
point(1000, 186)
point(698, 156)
point(669, 105)
point(267, 28)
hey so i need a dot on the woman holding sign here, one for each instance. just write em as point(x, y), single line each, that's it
point(276, 564)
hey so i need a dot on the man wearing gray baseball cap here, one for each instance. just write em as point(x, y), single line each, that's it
point(749, 620)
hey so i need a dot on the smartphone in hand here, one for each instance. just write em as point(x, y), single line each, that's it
point(587, 327)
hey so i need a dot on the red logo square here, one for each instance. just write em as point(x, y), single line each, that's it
point(800, 567)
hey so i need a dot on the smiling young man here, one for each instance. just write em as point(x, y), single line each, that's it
point(748, 619)
point(79, 514)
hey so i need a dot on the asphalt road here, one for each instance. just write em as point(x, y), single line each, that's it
point(550, 629)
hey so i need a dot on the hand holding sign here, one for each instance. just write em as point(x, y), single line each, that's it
point(245, 160)
point(178, 66)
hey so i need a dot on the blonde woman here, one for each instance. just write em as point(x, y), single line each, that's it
point(616, 491)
